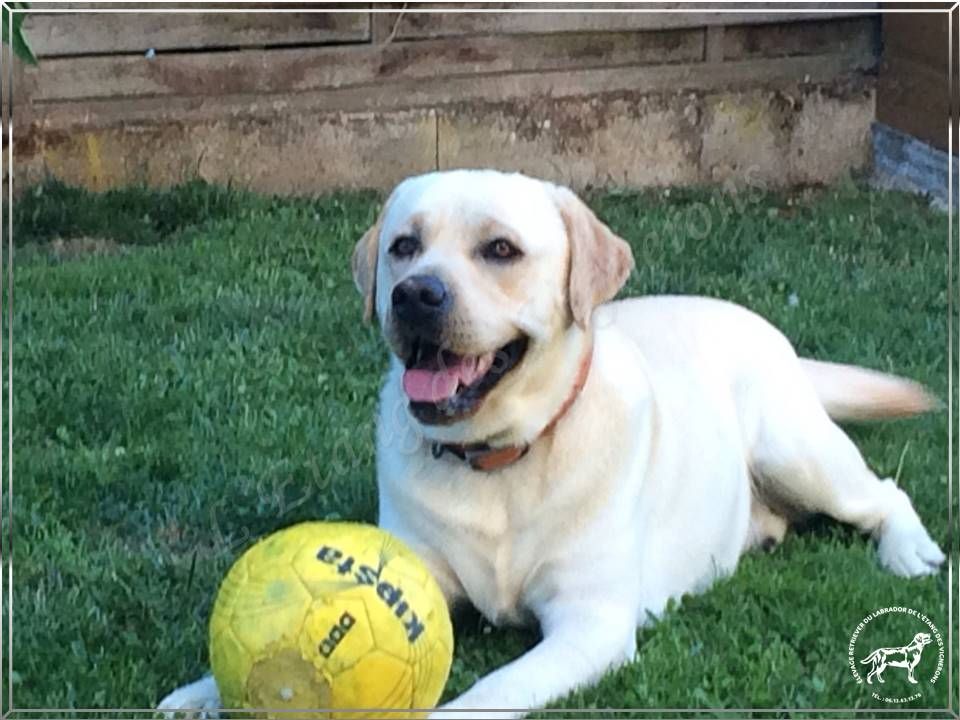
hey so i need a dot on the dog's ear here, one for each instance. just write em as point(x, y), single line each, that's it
point(364, 264)
point(600, 261)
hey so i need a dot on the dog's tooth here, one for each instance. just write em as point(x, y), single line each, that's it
point(483, 363)
point(466, 369)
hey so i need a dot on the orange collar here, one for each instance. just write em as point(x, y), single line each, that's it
point(480, 456)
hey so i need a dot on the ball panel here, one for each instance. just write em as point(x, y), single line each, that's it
point(285, 681)
point(336, 634)
point(268, 612)
point(431, 668)
point(378, 680)
point(230, 663)
point(330, 560)
point(410, 569)
point(321, 583)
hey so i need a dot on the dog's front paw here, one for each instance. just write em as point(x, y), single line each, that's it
point(906, 549)
point(475, 704)
point(448, 712)
point(199, 699)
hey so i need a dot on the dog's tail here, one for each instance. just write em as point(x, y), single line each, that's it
point(854, 393)
point(871, 658)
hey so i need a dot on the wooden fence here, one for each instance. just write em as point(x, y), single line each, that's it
point(300, 101)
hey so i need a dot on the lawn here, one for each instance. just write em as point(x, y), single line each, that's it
point(191, 372)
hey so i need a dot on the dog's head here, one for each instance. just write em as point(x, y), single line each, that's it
point(476, 278)
point(922, 638)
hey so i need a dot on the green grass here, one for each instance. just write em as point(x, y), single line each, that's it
point(207, 379)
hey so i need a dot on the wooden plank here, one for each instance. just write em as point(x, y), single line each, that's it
point(92, 33)
point(914, 99)
point(413, 25)
point(627, 142)
point(37, 6)
point(198, 7)
point(631, 81)
point(293, 154)
point(296, 70)
point(920, 37)
point(715, 44)
point(379, 32)
point(810, 37)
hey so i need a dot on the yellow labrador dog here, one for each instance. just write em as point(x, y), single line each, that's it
point(525, 422)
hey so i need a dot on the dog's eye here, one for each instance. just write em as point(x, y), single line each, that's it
point(405, 246)
point(500, 250)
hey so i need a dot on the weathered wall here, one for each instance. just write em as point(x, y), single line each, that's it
point(585, 99)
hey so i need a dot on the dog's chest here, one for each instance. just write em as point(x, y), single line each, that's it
point(504, 534)
point(516, 537)
point(502, 571)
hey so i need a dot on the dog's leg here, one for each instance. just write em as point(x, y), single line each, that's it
point(579, 645)
point(199, 699)
point(910, 676)
point(809, 463)
point(767, 528)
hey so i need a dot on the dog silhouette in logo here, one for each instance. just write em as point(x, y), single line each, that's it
point(906, 657)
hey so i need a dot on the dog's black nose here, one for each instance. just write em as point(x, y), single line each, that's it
point(420, 298)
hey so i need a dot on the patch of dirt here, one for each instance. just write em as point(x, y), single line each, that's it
point(73, 248)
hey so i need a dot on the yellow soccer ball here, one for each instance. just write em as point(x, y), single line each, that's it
point(328, 616)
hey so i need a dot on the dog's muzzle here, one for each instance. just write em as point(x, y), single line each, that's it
point(421, 304)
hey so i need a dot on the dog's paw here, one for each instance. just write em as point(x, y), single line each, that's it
point(906, 549)
point(199, 699)
point(475, 704)
point(448, 712)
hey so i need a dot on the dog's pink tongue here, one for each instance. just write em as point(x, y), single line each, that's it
point(435, 385)
point(430, 385)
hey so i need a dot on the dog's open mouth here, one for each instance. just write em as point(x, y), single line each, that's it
point(444, 387)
